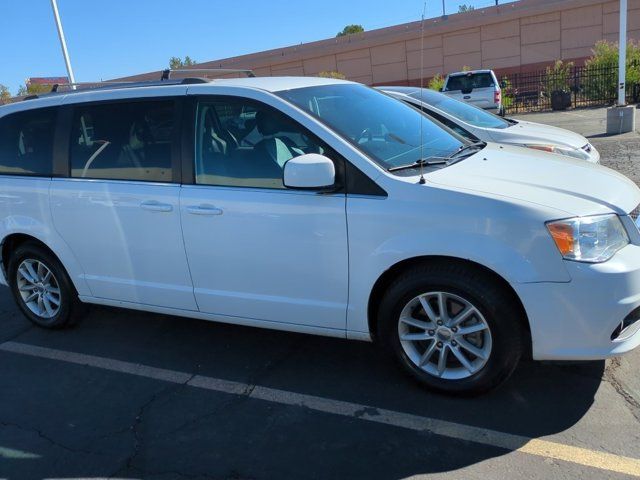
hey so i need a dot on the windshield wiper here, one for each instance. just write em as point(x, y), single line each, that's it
point(456, 156)
point(423, 162)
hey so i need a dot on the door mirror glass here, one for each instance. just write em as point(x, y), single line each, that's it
point(309, 172)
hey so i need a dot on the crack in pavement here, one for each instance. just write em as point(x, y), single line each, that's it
point(138, 439)
point(46, 438)
point(610, 377)
point(242, 396)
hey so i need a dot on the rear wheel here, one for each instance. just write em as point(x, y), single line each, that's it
point(452, 327)
point(42, 288)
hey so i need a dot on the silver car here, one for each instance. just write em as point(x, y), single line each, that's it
point(475, 123)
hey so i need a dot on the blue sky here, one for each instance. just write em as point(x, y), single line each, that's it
point(112, 38)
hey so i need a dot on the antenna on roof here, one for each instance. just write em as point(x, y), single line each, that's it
point(424, 10)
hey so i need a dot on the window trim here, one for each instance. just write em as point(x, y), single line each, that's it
point(176, 140)
point(56, 124)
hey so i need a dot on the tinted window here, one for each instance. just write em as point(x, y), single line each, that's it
point(466, 112)
point(26, 142)
point(245, 144)
point(470, 81)
point(453, 126)
point(387, 130)
point(124, 141)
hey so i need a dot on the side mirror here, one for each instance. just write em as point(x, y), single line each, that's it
point(309, 172)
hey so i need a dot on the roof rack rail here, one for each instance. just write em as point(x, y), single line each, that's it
point(166, 74)
point(87, 85)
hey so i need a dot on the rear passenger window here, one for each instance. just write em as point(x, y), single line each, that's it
point(26, 142)
point(124, 141)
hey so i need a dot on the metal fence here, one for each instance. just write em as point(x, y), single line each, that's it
point(571, 87)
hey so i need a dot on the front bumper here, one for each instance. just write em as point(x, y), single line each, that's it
point(576, 320)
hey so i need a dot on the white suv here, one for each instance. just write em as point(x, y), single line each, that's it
point(317, 206)
point(478, 87)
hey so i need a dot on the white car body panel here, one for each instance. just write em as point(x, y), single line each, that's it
point(126, 236)
point(233, 254)
point(328, 251)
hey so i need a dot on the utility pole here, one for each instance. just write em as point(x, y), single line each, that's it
point(63, 44)
point(622, 53)
point(443, 12)
point(621, 118)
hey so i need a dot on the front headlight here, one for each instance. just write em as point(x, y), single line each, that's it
point(589, 239)
point(568, 151)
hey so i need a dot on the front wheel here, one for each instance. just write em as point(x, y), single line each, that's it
point(452, 327)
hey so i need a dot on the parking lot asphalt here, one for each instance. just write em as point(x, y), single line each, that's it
point(135, 395)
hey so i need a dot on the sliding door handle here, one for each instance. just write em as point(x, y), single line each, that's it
point(154, 206)
point(204, 210)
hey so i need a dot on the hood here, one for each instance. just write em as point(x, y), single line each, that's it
point(561, 183)
point(537, 133)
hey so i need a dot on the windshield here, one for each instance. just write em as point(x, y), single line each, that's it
point(466, 112)
point(385, 129)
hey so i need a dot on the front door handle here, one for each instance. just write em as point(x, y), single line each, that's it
point(204, 210)
point(154, 206)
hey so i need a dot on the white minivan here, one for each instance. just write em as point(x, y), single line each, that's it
point(318, 206)
point(475, 123)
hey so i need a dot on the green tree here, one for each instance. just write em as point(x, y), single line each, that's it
point(465, 8)
point(332, 74)
point(33, 89)
point(350, 30)
point(601, 70)
point(5, 94)
point(176, 63)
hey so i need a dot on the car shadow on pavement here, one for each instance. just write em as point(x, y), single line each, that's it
point(82, 421)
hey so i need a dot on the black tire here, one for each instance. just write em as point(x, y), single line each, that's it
point(500, 310)
point(70, 310)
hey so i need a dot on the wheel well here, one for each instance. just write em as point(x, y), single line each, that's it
point(13, 241)
point(392, 273)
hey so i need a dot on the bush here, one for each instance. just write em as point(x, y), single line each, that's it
point(601, 70)
point(557, 78)
point(436, 83)
point(508, 93)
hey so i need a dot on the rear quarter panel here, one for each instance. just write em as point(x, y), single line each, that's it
point(25, 209)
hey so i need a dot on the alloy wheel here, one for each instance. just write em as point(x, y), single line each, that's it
point(38, 288)
point(445, 335)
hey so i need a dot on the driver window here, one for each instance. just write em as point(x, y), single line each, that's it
point(241, 143)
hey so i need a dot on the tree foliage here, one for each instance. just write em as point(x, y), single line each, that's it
point(176, 63)
point(5, 94)
point(557, 77)
point(601, 70)
point(436, 83)
point(465, 8)
point(332, 74)
point(33, 89)
point(350, 30)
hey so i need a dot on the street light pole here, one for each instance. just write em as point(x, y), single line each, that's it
point(622, 53)
point(63, 44)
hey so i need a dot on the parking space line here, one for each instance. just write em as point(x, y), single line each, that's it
point(523, 444)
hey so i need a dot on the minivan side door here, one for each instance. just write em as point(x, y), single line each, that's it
point(118, 207)
point(257, 250)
